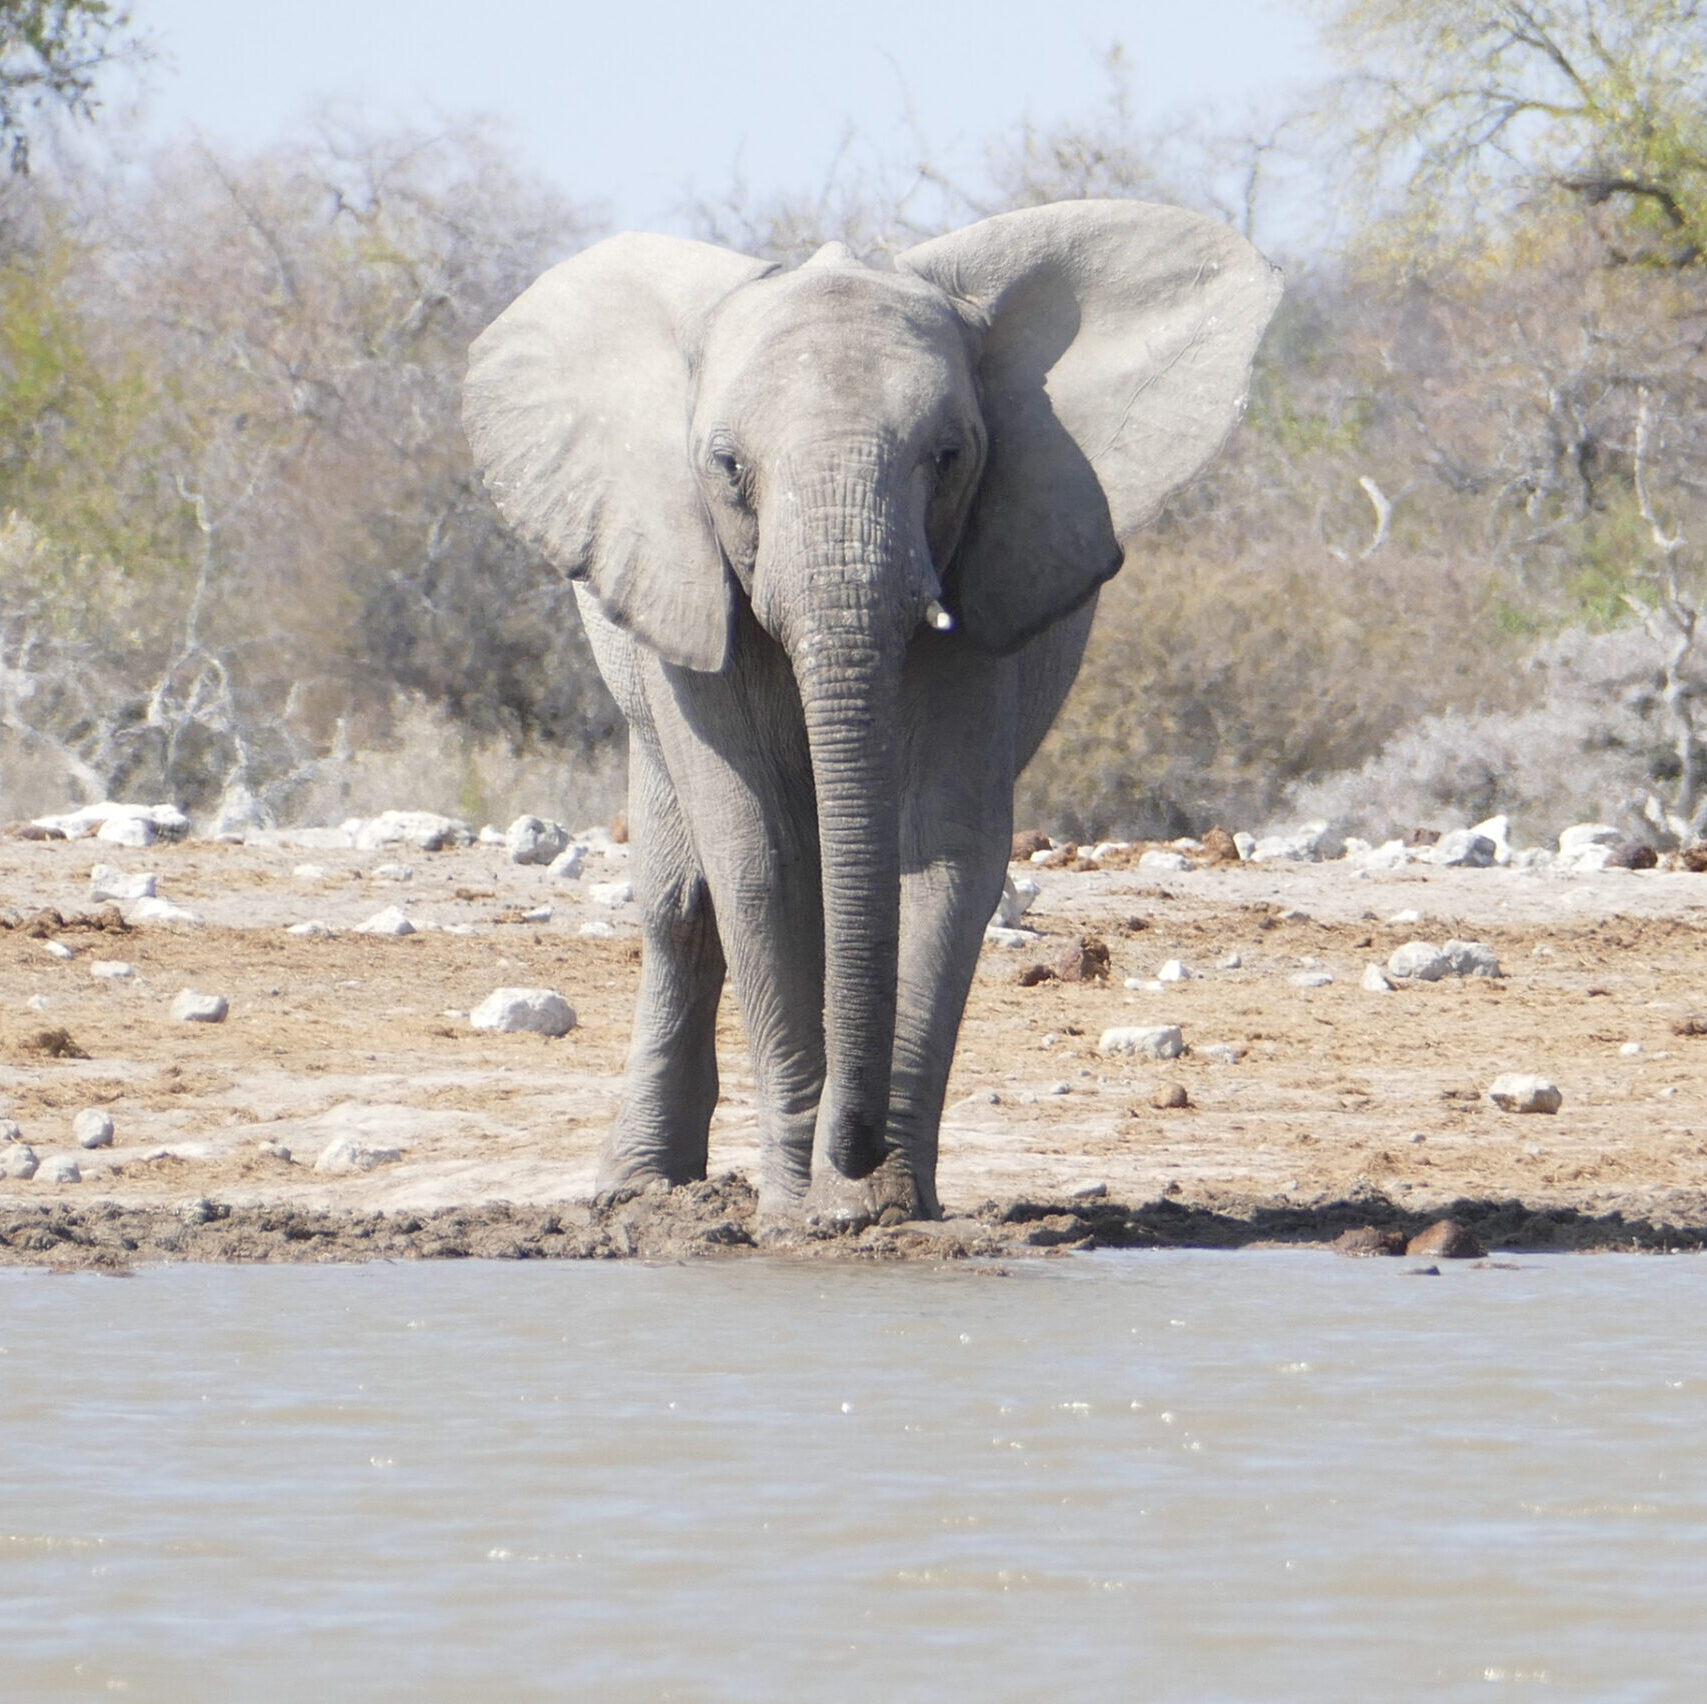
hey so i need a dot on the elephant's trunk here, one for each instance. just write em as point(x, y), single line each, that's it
point(850, 694)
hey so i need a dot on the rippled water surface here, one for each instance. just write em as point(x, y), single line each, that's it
point(1193, 1477)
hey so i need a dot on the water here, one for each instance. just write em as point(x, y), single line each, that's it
point(1192, 1477)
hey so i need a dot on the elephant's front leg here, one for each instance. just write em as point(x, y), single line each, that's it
point(670, 1093)
point(956, 828)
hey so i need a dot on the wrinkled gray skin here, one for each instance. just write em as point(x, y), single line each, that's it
point(775, 489)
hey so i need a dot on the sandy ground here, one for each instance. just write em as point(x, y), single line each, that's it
point(1342, 1107)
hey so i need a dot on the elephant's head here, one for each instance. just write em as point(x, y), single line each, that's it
point(963, 441)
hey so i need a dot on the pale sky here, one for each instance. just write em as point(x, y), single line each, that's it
point(636, 106)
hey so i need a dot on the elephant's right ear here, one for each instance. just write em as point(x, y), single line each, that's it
point(577, 409)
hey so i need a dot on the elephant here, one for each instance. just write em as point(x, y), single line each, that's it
point(836, 534)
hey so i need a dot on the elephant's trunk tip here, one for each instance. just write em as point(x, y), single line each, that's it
point(939, 618)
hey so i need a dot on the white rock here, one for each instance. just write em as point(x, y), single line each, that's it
point(166, 822)
point(311, 873)
point(18, 1162)
point(1573, 839)
point(273, 1150)
point(1018, 897)
point(127, 831)
point(61, 1168)
point(1042, 855)
point(1463, 848)
point(1158, 859)
point(511, 1011)
point(1516, 1092)
point(1532, 858)
point(1246, 843)
point(426, 831)
point(996, 936)
point(535, 840)
point(1408, 915)
point(313, 928)
point(568, 864)
point(163, 911)
point(1233, 961)
point(1104, 847)
point(490, 836)
point(537, 914)
point(107, 883)
point(1304, 844)
point(390, 921)
point(1631, 1049)
point(11, 1130)
point(1222, 1052)
point(597, 930)
point(345, 1154)
point(1173, 970)
point(613, 894)
point(1375, 980)
point(1584, 861)
point(1311, 979)
point(1088, 1192)
point(93, 1128)
point(59, 950)
point(38, 1002)
point(1498, 830)
point(1149, 1041)
point(392, 873)
point(189, 1007)
point(1418, 961)
point(1471, 958)
point(1390, 855)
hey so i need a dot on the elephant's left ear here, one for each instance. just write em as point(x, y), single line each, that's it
point(577, 410)
point(1117, 345)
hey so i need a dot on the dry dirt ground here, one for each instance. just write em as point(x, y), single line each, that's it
point(1343, 1107)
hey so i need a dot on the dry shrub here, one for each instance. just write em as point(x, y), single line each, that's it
point(1214, 680)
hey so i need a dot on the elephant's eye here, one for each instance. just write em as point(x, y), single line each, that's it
point(728, 464)
point(946, 457)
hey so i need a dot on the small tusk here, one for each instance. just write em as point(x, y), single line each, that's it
point(938, 617)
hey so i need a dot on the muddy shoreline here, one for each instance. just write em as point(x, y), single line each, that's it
point(716, 1219)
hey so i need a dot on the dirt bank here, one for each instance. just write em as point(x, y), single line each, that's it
point(1298, 1110)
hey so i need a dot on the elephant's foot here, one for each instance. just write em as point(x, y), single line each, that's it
point(888, 1196)
point(623, 1176)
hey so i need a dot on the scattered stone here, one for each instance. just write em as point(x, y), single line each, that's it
point(1246, 843)
point(311, 873)
point(1027, 843)
point(1018, 897)
point(344, 1155)
point(1445, 1239)
point(1173, 970)
point(597, 930)
point(1085, 959)
point(189, 1007)
point(1221, 1053)
point(59, 950)
point(612, 894)
point(1032, 974)
point(535, 840)
point(1498, 830)
point(1170, 1098)
point(390, 921)
point(1375, 980)
point(107, 883)
point(1471, 958)
point(1089, 1192)
point(1409, 915)
point(18, 1162)
point(1305, 844)
point(1418, 961)
point(1516, 1092)
point(490, 836)
point(1311, 979)
point(1692, 1025)
point(1631, 1049)
point(568, 864)
point(1464, 849)
point(313, 928)
point(1631, 855)
point(11, 1130)
point(1376, 860)
point(1158, 858)
point(1368, 1241)
point(93, 1128)
point(1233, 961)
point(127, 831)
point(164, 911)
point(33, 831)
point(1219, 847)
point(272, 1150)
point(164, 822)
point(996, 936)
point(426, 831)
point(1586, 846)
point(511, 1011)
point(60, 1168)
point(1150, 1041)
point(1694, 857)
point(392, 872)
